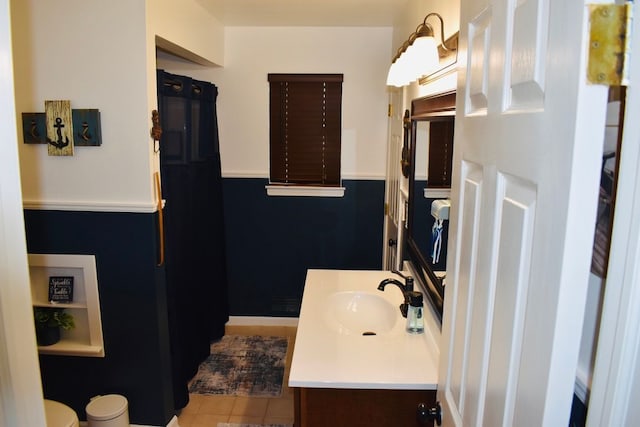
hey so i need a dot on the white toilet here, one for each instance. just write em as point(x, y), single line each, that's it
point(59, 415)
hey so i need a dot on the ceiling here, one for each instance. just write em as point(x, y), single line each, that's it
point(324, 13)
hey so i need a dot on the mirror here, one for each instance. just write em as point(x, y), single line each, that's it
point(430, 158)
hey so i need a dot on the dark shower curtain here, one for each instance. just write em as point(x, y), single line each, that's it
point(194, 225)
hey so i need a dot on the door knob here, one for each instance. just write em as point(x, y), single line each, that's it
point(426, 416)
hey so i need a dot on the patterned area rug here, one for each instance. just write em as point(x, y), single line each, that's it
point(242, 366)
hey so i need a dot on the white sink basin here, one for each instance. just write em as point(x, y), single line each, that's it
point(338, 306)
point(360, 313)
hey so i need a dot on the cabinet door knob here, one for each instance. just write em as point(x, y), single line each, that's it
point(426, 416)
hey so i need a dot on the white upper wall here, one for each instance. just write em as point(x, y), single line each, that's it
point(100, 55)
point(93, 54)
point(361, 54)
point(187, 29)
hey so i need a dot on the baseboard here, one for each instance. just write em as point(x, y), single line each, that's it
point(90, 206)
point(262, 321)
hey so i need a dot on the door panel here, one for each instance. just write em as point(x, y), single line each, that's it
point(528, 61)
point(393, 226)
point(478, 84)
point(466, 272)
point(393, 214)
point(526, 163)
point(514, 233)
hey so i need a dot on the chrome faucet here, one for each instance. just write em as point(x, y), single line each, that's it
point(406, 289)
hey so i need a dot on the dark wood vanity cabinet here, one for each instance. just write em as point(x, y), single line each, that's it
point(324, 407)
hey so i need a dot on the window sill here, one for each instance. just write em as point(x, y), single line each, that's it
point(437, 193)
point(304, 191)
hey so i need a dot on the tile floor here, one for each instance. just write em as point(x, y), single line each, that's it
point(208, 411)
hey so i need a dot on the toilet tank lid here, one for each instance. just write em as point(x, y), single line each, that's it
point(106, 407)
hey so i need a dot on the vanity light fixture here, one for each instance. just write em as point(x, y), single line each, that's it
point(418, 55)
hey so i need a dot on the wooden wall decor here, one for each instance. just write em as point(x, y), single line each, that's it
point(33, 128)
point(86, 126)
point(59, 127)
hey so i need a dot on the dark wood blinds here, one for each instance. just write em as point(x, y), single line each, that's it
point(440, 153)
point(305, 128)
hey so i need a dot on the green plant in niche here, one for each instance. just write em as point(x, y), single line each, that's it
point(49, 321)
point(53, 317)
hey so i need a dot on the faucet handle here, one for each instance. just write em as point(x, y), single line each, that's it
point(399, 274)
point(408, 280)
point(408, 283)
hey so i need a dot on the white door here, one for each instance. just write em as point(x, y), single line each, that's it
point(527, 155)
point(393, 222)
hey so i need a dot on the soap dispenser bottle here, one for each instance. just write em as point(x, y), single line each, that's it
point(415, 318)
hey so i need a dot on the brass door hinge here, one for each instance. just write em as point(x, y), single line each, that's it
point(390, 111)
point(386, 209)
point(609, 37)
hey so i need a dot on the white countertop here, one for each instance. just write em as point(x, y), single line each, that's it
point(325, 358)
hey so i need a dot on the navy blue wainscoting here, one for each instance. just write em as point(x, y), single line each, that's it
point(133, 307)
point(272, 241)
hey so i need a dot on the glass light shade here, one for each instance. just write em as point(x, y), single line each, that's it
point(411, 56)
point(397, 75)
point(404, 70)
point(424, 57)
point(392, 76)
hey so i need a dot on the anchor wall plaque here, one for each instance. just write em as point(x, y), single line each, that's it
point(86, 126)
point(59, 127)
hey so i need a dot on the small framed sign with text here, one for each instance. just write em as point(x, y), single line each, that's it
point(61, 289)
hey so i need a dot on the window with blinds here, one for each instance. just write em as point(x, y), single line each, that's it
point(305, 128)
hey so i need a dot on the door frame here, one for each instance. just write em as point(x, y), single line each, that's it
point(616, 384)
point(21, 400)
